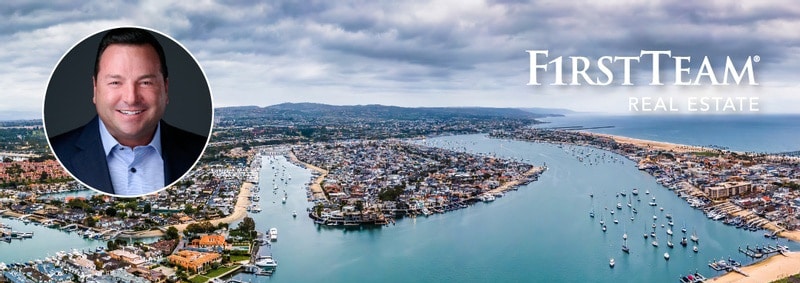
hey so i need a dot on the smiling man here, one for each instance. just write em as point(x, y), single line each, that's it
point(127, 149)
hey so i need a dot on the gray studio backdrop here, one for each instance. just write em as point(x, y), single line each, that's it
point(68, 101)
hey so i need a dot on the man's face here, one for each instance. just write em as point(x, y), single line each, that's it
point(130, 92)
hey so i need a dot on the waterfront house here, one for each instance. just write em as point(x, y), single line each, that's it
point(727, 189)
point(127, 257)
point(210, 242)
point(194, 261)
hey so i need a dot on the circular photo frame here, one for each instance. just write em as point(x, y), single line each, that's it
point(128, 111)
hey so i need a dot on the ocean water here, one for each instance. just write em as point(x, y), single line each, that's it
point(751, 133)
point(540, 233)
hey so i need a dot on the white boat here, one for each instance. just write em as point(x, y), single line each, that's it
point(294, 213)
point(666, 256)
point(635, 192)
point(611, 262)
point(266, 261)
point(619, 206)
point(669, 231)
point(694, 237)
point(694, 248)
point(273, 234)
point(284, 200)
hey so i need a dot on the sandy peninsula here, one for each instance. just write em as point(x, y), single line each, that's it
point(771, 269)
point(316, 189)
point(657, 145)
point(239, 212)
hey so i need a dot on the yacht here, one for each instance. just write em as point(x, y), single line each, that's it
point(635, 192)
point(273, 234)
point(694, 237)
point(611, 262)
point(294, 213)
point(666, 256)
point(694, 248)
point(266, 261)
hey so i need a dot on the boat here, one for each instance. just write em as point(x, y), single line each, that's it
point(611, 262)
point(647, 192)
point(591, 214)
point(669, 243)
point(694, 249)
point(669, 231)
point(619, 205)
point(266, 261)
point(666, 256)
point(284, 200)
point(273, 234)
point(684, 242)
point(635, 192)
point(694, 237)
point(604, 228)
point(616, 221)
point(294, 214)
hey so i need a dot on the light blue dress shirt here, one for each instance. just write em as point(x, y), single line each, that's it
point(134, 171)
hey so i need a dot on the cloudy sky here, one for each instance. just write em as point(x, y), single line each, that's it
point(419, 53)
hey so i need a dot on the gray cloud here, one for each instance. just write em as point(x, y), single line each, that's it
point(405, 53)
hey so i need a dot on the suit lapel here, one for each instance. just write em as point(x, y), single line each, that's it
point(90, 160)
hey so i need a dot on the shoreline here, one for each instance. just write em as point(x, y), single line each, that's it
point(659, 145)
point(518, 181)
point(773, 268)
point(239, 213)
point(316, 189)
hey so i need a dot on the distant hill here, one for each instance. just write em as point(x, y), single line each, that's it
point(373, 111)
point(549, 111)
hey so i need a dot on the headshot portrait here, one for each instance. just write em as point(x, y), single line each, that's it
point(128, 111)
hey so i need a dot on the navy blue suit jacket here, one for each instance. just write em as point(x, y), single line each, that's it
point(81, 152)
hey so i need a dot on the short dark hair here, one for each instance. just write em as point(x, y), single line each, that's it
point(135, 36)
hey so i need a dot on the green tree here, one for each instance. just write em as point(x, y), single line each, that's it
point(147, 207)
point(89, 221)
point(78, 203)
point(172, 233)
point(111, 211)
point(247, 225)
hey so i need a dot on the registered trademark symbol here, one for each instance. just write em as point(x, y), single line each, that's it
point(757, 58)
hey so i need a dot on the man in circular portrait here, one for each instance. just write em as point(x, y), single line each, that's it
point(128, 147)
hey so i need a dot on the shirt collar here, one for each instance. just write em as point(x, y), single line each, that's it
point(109, 142)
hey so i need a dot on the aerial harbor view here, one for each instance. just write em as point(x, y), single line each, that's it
point(401, 141)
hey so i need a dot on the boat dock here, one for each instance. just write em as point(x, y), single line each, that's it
point(760, 251)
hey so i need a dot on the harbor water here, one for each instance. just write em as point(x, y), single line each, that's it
point(539, 233)
point(46, 242)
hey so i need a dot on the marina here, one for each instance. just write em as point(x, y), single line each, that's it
point(340, 254)
point(447, 238)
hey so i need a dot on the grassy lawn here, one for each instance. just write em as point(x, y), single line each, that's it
point(237, 258)
point(219, 271)
point(211, 274)
point(199, 279)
